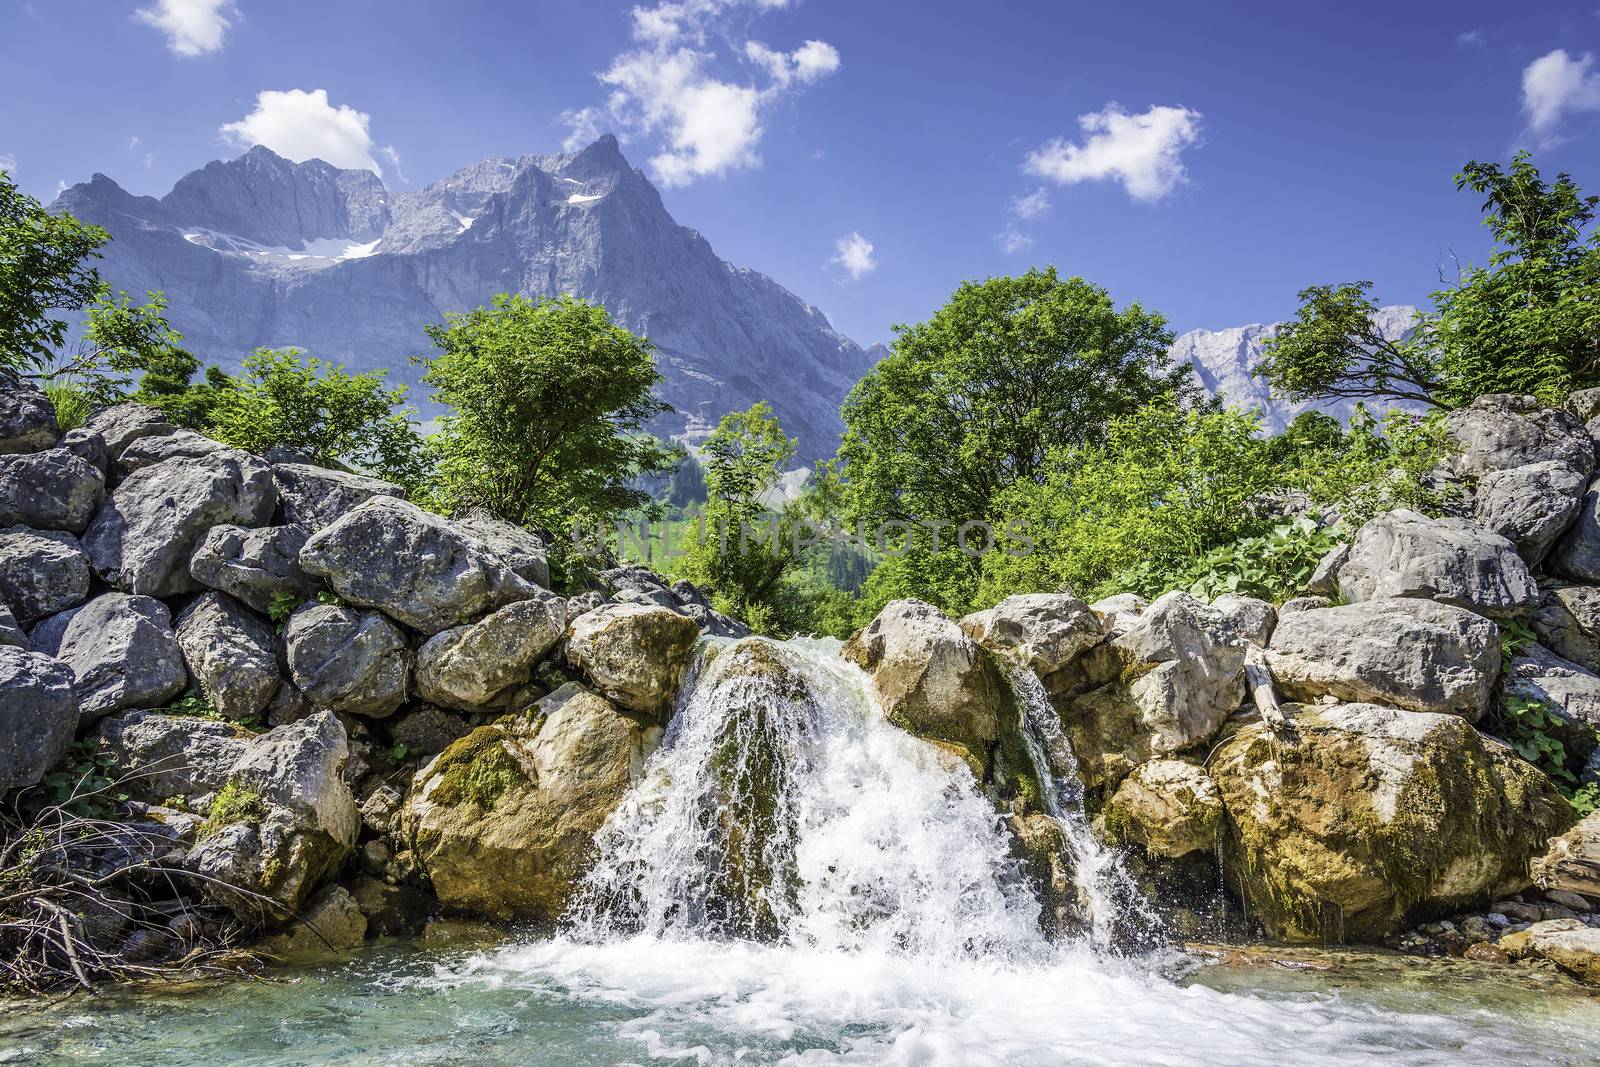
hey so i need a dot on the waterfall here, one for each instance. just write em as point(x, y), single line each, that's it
point(1115, 910)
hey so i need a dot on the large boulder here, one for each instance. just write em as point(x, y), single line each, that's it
point(42, 572)
point(1375, 814)
point(1530, 506)
point(27, 418)
point(38, 715)
point(259, 567)
point(89, 447)
point(141, 541)
point(1501, 431)
point(1567, 621)
point(503, 820)
point(352, 661)
point(1577, 553)
point(163, 758)
point(412, 565)
point(232, 655)
point(1411, 654)
point(931, 678)
point(316, 497)
point(1250, 618)
point(49, 490)
point(1568, 693)
point(1403, 554)
point(1572, 862)
point(11, 632)
point(282, 824)
point(1042, 631)
point(179, 444)
point(121, 651)
point(1169, 808)
point(122, 424)
point(633, 654)
point(1120, 611)
point(472, 667)
point(1570, 944)
point(521, 550)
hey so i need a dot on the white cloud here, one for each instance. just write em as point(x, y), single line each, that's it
point(1473, 38)
point(193, 27)
point(1013, 240)
point(854, 255)
point(670, 86)
point(393, 157)
point(302, 125)
point(1031, 206)
point(133, 142)
point(1555, 84)
point(1143, 152)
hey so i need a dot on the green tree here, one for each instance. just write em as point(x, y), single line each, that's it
point(279, 399)
point(46, 264)
point(972, 401)
point(1333, 348)
point(548, 402)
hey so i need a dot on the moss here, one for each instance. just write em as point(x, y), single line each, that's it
point(477, 769)
point(234, 803)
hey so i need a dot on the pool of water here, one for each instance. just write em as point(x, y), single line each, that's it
point(556, 1002)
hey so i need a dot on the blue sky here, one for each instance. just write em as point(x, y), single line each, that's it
point(1207, 160)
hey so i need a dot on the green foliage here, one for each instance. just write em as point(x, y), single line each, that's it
point(1332, 348)
point(318, 408)
point(81, 783)
point(1530, 728)
point(1370, 469)
point(975, 399)
point(282, 605)
point(234, 803)
point(945, 578)
point(688, 484)
point(45, 265)
point(1515, 636)
point(549, 403)
point(1275, 566)
point(72, 405)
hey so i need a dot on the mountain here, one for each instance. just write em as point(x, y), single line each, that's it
point(1225, 362)
point(258, 251)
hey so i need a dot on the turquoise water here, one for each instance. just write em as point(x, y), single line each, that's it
point(554, 1002)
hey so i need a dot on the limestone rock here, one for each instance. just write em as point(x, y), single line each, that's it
point(179, 444)
point(141, 541)
point(49, 490)
point(521, 550)
point(1572, 862)
point(633, 654)
point(121, 651)
point(231, 654)
point(42, 572)
point(1570, 944)
point(471, 667)
point(1251, 618)
point(1500, 431)
point(38, 715)
point(412, 565)
point(503, 820)
point(1168, 807)
point(10, 632)
point(427, 730)
point(931, 678)
point(89, 447)
point(1374, 814)
point(27, 418)
point(317, 497)
point(162, 757)
point(1041, 631)
point(330, 923)
point(1567, 621)
point(255, 566)
point(1569, 693)
point(1324, 579)
point(122, 424)
point(1530, 506)
point(584, 603)
point(1119, 612)
point(1577, 553)
point(1411, 654)
point(1403, 554)
point(347, 660)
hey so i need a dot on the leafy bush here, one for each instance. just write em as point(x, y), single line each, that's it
point(71, 404)
point(1530, 728)
point(1275, 566)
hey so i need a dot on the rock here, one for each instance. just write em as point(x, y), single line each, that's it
point(1564, 898)
point(1403, 554)
point(1250, 618)
point(1041, 631)
point(1324, 579)
point(1500, 431)
point(1572, 862)
point(1566, 691)
point(1373, 814)
point(633, 654)
point(89, 447)
point(38, 715)
point(1577, 553)
point(122, 424)
point(1583, 405)
point(1570, 944)
point(141, 541)
point(1119, 612)
point(1411, 654)
point(931, 679)
point(391, 910)
point(584, 603)
point(426, 730)
point(179, 444)
point(232, 655)
point(255, 566)
point(1530, 506)
point(1303, 603)
point(412, 565)
point(170, 757)
point(317, 497)
point(49, 490)
point(347, 660)
point(121, 651)
point(42, 572)
point(1168, 807)
point(503, 820)
point(282, 825)
point(27, 418)
point(331, 923)
point(472, 667)
point(10, 632)
point(1567, 621)
point(521, 550)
